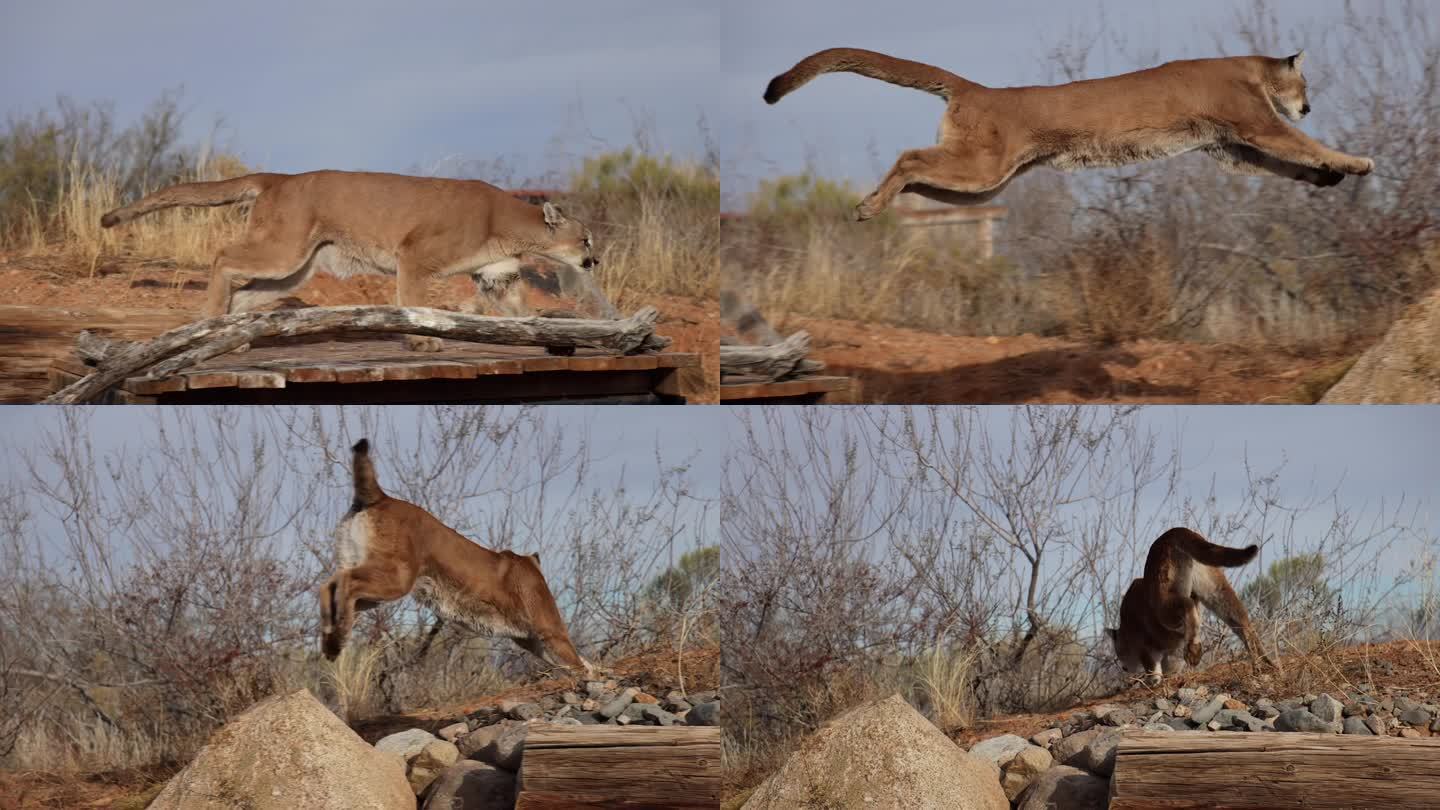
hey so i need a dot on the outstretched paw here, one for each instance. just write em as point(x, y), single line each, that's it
point(1363, 166)
point(865, 210)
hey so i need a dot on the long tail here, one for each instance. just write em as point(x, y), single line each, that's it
point(367, 487)
point(1205, 552)
point(903, 72)
point(220, 192)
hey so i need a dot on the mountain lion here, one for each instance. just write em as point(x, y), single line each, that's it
point(388, 547)
point(343, 223)
point(1233, 109)
point(1160, 613)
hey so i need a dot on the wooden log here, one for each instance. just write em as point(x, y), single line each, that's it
point(773, 362)
point(1255, 771)
point(620, 766)
point(193, 343)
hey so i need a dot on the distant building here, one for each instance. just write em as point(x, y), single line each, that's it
point(939, 222)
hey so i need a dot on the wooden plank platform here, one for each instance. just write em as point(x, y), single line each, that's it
point(384, 371)
point(1251, 771)
point(635, 767)
point(31, 338)
point(805, 391)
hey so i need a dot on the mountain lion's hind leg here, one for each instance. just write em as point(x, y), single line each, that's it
point(974, 172)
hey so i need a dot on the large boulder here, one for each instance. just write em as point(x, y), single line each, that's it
point(878, 756)
point(1065, 788)
point(1402, 368)
point(285, 752)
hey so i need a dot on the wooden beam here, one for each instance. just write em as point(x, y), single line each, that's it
point(186, 346)
point(1264, 770)
point(620, 766)
point(770, 362)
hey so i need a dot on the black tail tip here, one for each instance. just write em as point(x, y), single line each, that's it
point(772, 91)
point(110, 220)
point(362, 446)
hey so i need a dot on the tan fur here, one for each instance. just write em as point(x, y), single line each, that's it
point(1233, 109)
point(1160, 614)
point(342, 223)
point(388, 548)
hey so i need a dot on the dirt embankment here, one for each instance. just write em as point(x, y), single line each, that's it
point(145, 289)
point(898, 365)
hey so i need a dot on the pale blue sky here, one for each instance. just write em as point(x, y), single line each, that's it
point(853, 127)
point(368, 84)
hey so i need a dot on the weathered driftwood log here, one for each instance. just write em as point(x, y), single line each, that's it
point(773, 362)
point(196, 342)
point(620, 766)
point(1254, 771)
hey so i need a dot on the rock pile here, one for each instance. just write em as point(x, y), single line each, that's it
point(1068, 767)
point(470, 764)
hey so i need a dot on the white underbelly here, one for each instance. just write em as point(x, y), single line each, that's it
point(352, 539)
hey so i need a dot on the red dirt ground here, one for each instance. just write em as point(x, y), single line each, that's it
point(57, 281)
point(897, 365)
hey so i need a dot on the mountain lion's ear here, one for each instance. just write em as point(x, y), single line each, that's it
point(554, 217)
point(1297, 60)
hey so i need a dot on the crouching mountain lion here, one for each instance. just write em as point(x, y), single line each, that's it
point(344, 223)
point(387, 547)
point(1160, 613)
point(1233, 109)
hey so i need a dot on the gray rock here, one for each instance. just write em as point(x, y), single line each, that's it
point(1187, 695)
point(1326, 708)
point(500, 745)
point(634, 711)
point(471, 785)
point(1416, 717)
point(999, 750)
point(1022, 769)
point(1164, 705)
point(1065, 788)
point(1301, 720)
point(1353, 709)
point(432, 761)
point(1100, 753)
point(615, 707)
point(1206, 713)
point(1047, 737)
point(1070, 750)
point(704, 714)
point(566, 721)
point(1376, 724)
point(1118, 716)
point(595, 689)
point(526, 711)
point(1355, 725)
point(657, 715)
point(572, 699)
point(676, 706)
point(1404, 704)
point(453, 731)
point(1238, 719)
point(1157, 727)
point(408, 743)
point(1177, 723)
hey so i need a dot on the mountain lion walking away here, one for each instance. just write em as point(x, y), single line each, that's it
point(1233, 109)
point(344, 223)
point(1160, 613)
point(388, 546)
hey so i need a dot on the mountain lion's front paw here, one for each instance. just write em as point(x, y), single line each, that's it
point(1363, 166)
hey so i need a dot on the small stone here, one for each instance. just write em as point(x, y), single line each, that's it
point(1213, 725)
point(1178, 723)
point(1301, 720)
point(643, 697)
point(595, 688)
point(1065, 787)
point(1069, 750)
point(1187, 695)
point(1164, 705)
point(621, 720)
point(1117, 716)
point(1410, 733)
point(1404, 704)
point(1206, 713)
point(616, 706)
point(1355, 725)
point(677, 706)
point(571, 699)
point(1236, 705)
point(525, 711)
point(500, 745)
point(1100, 753)
point(1181, 711)
point(408, 743)
point(589, 705)
point(999, 750)
point(1376, 724)
point(567, 721)
point(704, 714)
point(1022, 769)
point(432, 760)
point(471, 784)
point(1416, 716)
point(452, 731)
point(1326, 708)
point(1047, 737)
point(657, 715)
point(1353, 709)
point(1157, 727)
